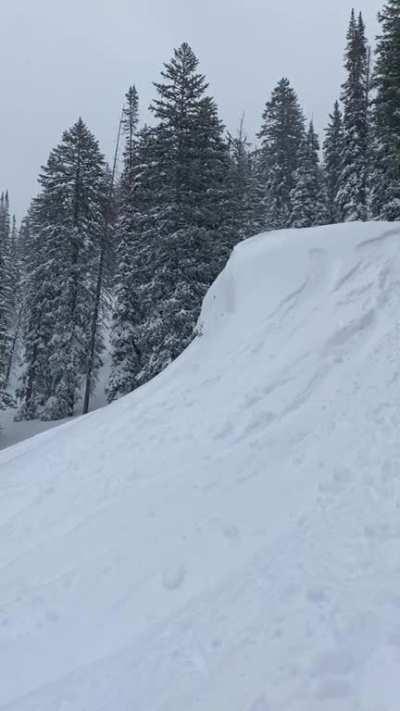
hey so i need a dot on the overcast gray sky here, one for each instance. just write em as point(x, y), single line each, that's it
point(60, 59)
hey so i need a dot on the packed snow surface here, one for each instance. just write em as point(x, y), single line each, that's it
point(227, 538)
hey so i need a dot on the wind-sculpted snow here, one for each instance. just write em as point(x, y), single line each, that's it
point(227, 538)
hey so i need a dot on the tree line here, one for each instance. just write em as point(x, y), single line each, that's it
point(130, 259)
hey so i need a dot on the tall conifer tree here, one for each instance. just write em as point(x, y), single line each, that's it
point(308, 196)
point(281, 135)
point(39, 290)
point(16, 296)
point(5, 297)
point(246, 215)
point(385, 178)
point(126, 310)
point(66, 225)
point(180, 208)
point(352, 195)
point(333, 158)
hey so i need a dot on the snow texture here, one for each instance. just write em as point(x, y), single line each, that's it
point(227, 538)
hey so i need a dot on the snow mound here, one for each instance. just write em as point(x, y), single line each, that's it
point(227, 538)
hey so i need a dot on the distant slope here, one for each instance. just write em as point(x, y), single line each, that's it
point(227, 538)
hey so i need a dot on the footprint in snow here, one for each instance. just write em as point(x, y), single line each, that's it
point(333, 673)
point(317, 595)
point(334, 689)
point(174, 577)
point(260, 704)
point(231, 533)
point(335, 662)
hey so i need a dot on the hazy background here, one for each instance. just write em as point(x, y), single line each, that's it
point(63, 58)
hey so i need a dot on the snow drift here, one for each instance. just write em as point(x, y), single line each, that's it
point(227, 538)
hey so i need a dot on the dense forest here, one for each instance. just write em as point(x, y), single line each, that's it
point(123, 261)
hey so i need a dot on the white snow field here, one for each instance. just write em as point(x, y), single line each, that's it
point(227, 538)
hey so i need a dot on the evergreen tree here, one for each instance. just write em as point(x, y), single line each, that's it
point(138, 289)
point(192, 205)
point(66, 227)
point(352, 195)
point(126, 309)
point(176, 236)
point(281, 135)
point(385, 179)
point(39, 290)
point(5, 297)
point(308, 196)
point(129, 124)
point(246, 215)
point(15, 303)
point(192, 155)
point(333, 153)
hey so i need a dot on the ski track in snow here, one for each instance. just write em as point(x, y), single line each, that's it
point(227, 538)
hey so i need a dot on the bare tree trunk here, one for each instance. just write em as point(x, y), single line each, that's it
point(99, 285)
point(94, 326)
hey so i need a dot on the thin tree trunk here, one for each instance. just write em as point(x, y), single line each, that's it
point(94, 327)
point(99, 284)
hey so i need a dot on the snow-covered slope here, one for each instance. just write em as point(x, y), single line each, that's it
point(228, 537)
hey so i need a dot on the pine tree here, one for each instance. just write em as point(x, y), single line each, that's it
point(39, 290)
point(308, 196)
point(281, 135)
point(192, 204)
point(352, 196)
point(246, 215)
point(385, 178)
point(66, 227)
point(15, 303)
point(192, 154)
point(177, 234)
point(5, 297)
point(129, 123)
point(138, 289)
point(333, 156)
point(126, 310)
